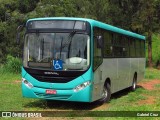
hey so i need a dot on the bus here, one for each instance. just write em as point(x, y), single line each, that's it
point(79, 59)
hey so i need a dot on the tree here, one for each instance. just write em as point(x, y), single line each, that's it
point(26, 6)
point(121, 13)
point(99, 9)
point(6, 8)
point(146, 20)
point(139, 16)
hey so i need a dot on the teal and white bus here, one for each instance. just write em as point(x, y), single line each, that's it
point(78, 59)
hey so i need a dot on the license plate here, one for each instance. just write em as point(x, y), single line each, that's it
point(51, 92)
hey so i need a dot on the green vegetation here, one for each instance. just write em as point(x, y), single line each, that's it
point(156, 48)
point(13, 65)
point(152, 74)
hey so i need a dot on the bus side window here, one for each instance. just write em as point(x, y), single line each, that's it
point(132, 47)
point(142, 48)
point(108, 47)
point(126, 46)
point(118, 46)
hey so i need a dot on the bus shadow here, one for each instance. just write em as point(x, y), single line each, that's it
point(61, 105)
point(66, 105)
point(123, 92)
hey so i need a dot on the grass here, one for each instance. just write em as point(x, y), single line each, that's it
point(12, 100)
point(152, 73)
point(157, 86)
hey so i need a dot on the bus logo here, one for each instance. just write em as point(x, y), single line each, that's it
point(51, 73)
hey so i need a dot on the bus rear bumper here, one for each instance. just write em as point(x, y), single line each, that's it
point(83, 95)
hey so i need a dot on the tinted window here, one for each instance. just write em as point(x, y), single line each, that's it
point(108, 47)
point(132, 47)
point(120, 46)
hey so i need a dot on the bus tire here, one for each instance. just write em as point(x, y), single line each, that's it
point(106, 94)
point(134, 84)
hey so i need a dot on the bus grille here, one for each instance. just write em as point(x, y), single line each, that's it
point(53, 79)
point(49, 96)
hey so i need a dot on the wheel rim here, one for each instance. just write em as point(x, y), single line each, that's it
point(104, 93)
point(134, 84)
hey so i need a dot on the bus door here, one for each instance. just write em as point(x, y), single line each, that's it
point(97, 63)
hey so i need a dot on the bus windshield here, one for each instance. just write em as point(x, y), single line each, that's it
point(41, 49)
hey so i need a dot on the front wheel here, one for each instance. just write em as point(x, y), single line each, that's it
point(106, 94)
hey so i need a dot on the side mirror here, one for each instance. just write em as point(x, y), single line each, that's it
point(19, 29)
point(99, 41)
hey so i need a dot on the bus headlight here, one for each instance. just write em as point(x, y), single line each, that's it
point(28, 84)
point(81, 86)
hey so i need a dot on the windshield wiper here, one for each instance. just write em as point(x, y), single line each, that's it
point(42, 47)
point(67, 43)
point(61, 47)
point(70, 36)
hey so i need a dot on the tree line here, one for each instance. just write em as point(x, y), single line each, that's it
point(140, 16)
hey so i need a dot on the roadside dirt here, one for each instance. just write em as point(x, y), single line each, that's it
point(149, 100)
point(150, 85)
point(17, 81)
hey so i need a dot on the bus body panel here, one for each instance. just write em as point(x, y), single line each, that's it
point(64, 91)
point(120, 71)
point(110, 70)
point(141, 72)
point(124, 71)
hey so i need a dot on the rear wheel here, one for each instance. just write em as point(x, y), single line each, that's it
point(106, 94)
point(134, 84)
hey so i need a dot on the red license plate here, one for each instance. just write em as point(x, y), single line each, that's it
point(51, 92)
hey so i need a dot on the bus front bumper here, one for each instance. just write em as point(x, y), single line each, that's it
point(83, 95)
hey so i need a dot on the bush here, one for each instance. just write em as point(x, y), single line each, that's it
point(13, 64)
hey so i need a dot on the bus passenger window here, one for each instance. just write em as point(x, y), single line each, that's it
point(132, 48)
point(108, 48)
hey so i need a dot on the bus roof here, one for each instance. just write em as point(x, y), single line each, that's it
point(95, 23)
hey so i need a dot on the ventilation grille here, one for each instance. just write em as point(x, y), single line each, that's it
point(53, 79)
